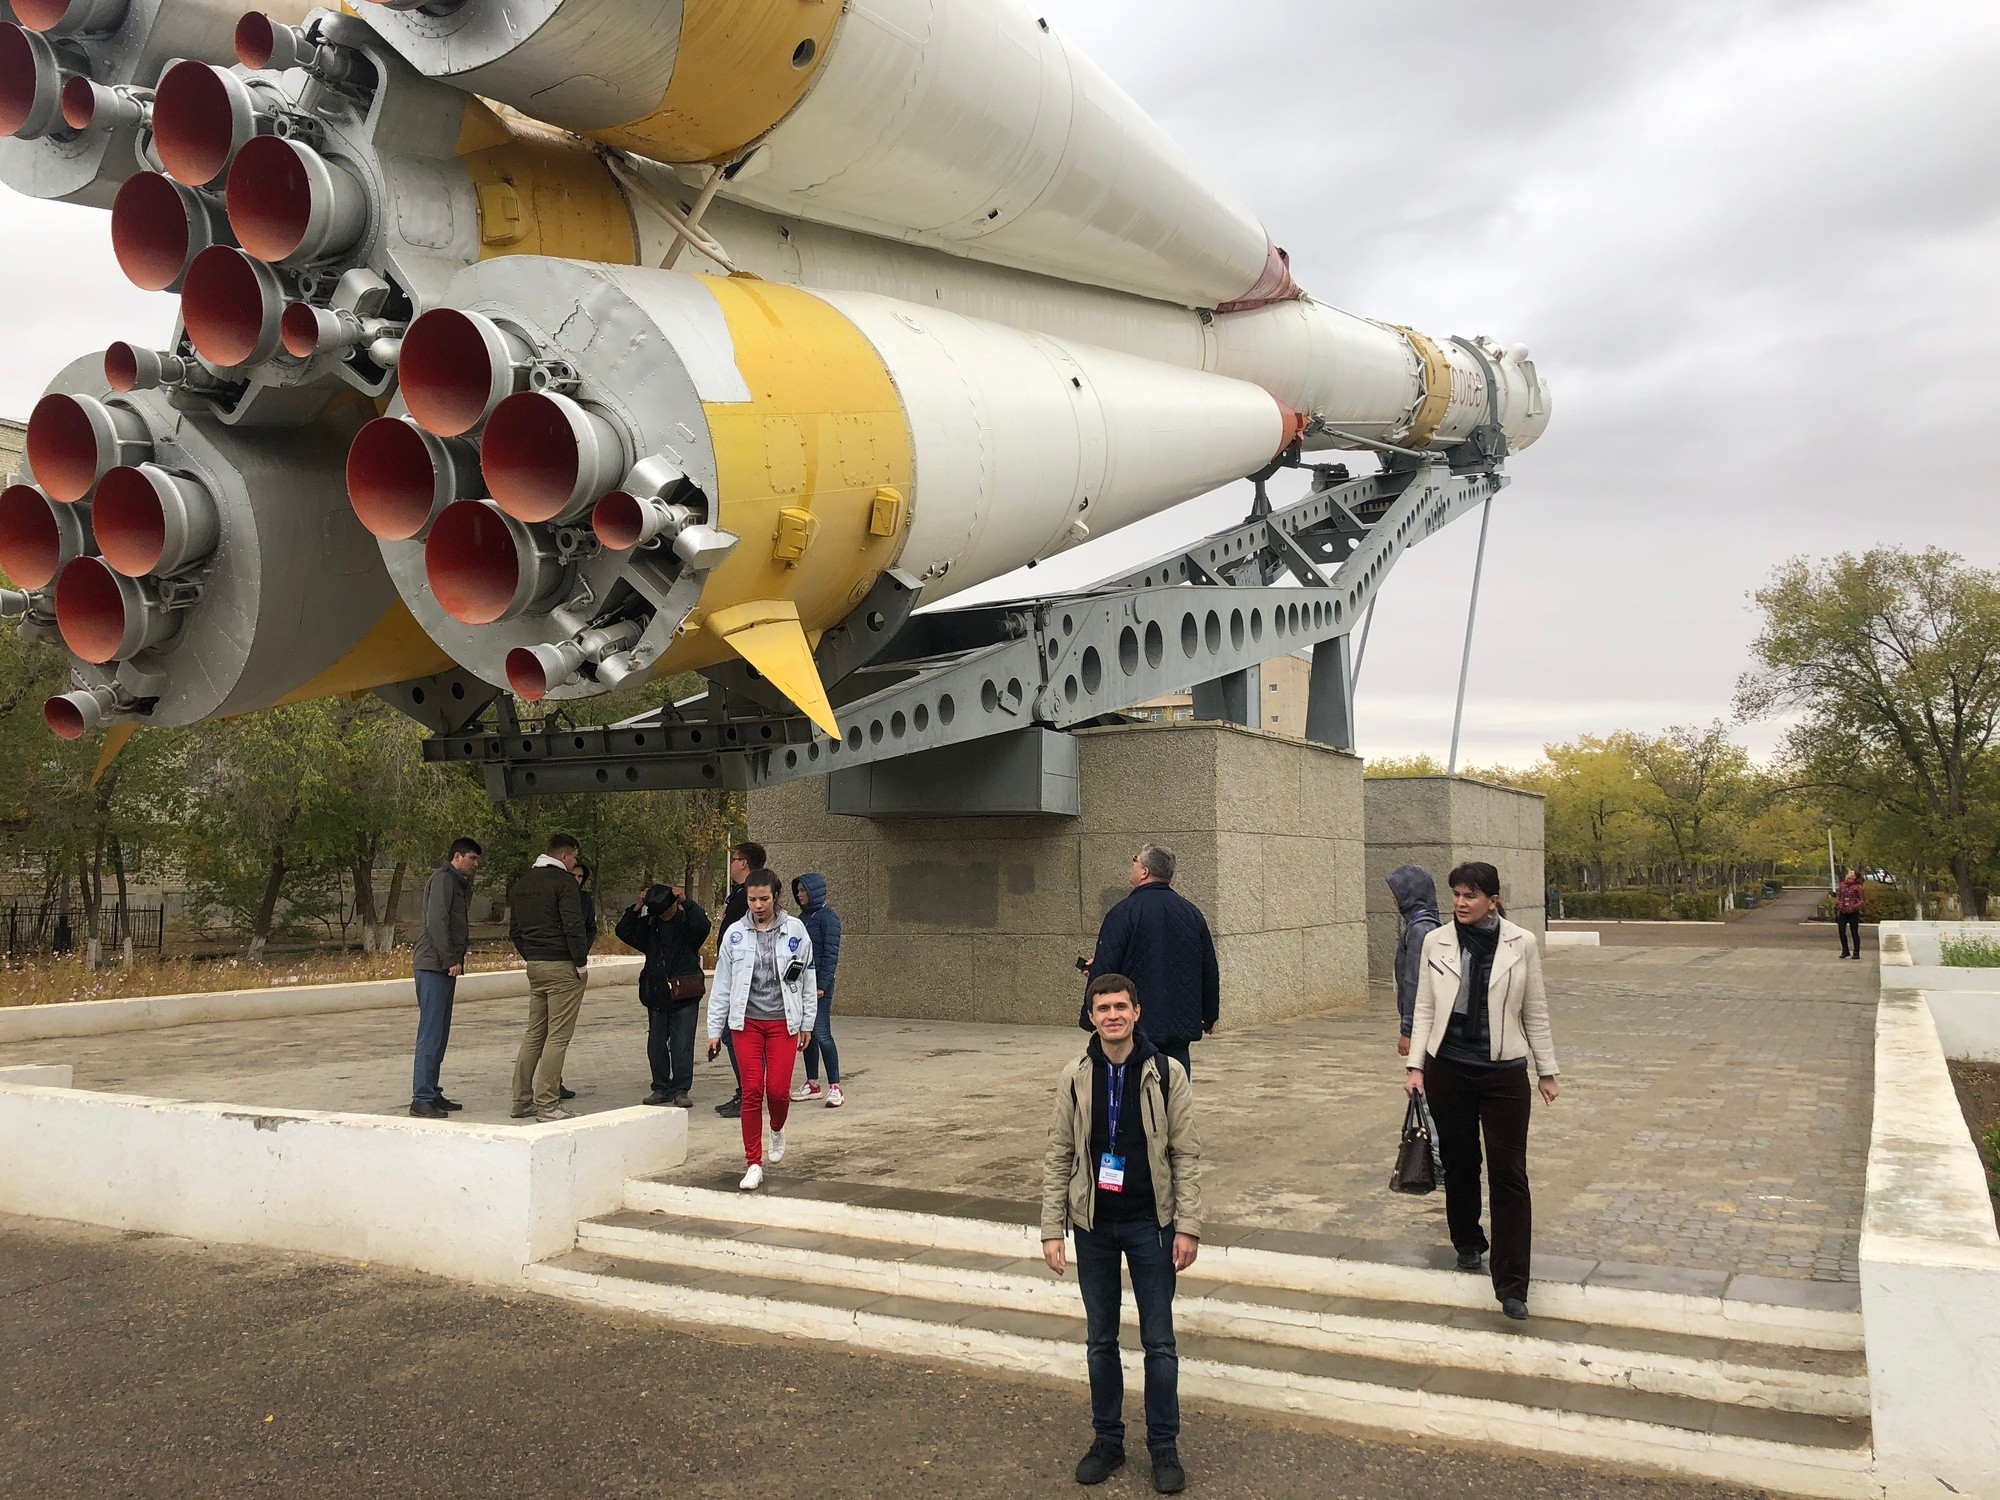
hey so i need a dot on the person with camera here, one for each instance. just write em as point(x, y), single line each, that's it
point(669, 928)
point(765, 997)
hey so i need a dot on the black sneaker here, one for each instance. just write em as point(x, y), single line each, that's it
point(450, 1105)
point(428, 1111)
point(1471, 1260)
point(731, 1109)
point(565, 1093)
point(1104, 1459)
point(1169, 1478)
point(1514, 1308)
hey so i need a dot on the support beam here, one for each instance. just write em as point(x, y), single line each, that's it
point(1330, 698)
point(1229, 698)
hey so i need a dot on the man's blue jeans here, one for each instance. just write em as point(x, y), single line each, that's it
point(821, 1044)
point(1148, 1250)
point(434, 997)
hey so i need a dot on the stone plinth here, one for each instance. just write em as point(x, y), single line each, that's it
point(982, 919)
point(1438, 822)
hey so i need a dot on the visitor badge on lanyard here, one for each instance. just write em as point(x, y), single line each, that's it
point(1111, 1166)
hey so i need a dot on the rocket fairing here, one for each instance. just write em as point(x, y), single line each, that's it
point(965, 125)
point(645, 335)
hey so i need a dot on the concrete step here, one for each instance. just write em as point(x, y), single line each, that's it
point(1801, 1453)
point(1738, 1371)
point(1802, 1314)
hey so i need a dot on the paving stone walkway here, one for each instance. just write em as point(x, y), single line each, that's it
point(1713, 1123)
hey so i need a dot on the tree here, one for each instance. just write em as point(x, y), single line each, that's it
point(1697, 779)
point(1892, 662)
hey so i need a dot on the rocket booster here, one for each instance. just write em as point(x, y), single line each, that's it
point(698, 467)
point(966, 125)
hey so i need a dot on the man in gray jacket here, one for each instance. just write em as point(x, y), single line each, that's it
point(440, 959)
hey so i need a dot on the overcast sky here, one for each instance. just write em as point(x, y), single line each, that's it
point(1752, 244)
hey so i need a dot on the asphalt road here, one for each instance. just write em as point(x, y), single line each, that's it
point(139, 1365)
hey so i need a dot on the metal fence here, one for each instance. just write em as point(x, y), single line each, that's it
point(34, 927)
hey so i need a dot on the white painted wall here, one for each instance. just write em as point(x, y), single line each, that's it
point(1930, 1267)
point(479, 1202)
point(29, 1023)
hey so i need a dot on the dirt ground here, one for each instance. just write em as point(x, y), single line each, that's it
point(1978, 1087)
point(139, 1365)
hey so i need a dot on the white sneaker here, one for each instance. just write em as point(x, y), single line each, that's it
point(752, 1179)
point(777, 1152)
point(803, 1090)
point(834, 1097)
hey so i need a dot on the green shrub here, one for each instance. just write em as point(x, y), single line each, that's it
point(1703, 907)
point(1629, 906)
point(1971, 953)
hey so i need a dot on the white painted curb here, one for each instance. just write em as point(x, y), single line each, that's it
point(32, 1023)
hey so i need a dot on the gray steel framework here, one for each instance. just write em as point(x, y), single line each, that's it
point(902, 682)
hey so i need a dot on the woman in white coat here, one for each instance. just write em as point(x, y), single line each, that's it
point(1481, 1017)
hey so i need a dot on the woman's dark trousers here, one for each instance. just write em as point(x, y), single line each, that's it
point(1466, 1102)
point(670, 1046)
point(1848, 922)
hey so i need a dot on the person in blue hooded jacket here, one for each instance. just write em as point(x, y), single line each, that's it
point(1416, 898)
point(822, 924)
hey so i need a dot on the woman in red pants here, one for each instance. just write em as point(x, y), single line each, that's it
point(764, 995)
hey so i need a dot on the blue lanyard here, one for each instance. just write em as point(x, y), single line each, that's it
point(1114, 1092)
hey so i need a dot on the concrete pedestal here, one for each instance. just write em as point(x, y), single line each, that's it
point(982, 919)
point(1438, 822)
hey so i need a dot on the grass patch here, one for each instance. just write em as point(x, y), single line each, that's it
point(1971, 953)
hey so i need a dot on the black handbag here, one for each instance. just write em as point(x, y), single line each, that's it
point(1419, 1165)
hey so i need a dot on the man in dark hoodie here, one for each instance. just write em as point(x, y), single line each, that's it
point(1416, 899)
point(822, 924)
point(669, 928)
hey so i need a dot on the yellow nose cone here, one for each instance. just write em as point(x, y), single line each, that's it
point(767, 634)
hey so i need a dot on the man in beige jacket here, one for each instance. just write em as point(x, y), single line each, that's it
point(1123, 1171)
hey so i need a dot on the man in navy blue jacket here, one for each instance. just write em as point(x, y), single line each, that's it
point(822, 924)
point(1160, 940)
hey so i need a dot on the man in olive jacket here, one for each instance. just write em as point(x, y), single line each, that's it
point(1123, 1172)
point(439, 959)
point(548, 932)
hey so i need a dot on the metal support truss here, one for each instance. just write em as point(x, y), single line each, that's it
point(903, 683)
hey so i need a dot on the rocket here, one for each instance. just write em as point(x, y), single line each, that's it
point(578, 341)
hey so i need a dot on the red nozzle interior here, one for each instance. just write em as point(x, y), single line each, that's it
point(129, 521)
point(63, 447)
point(256, 41)
point(90, 609)
point(530, 457)
point(446, 372)
point(226, 306)
point(40, 15)
point(121, 367)
point(64, 718)
point(30, 544)
point(472, 562)
point(391, 479)
point(194, 123)
point(269, 198)
point(298, 331)
point(150, 233)
point(525, 675)
point(79, 102)
point(619, 520)
point(18, 78)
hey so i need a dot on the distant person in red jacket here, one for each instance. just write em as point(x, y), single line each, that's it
point(1847, 903)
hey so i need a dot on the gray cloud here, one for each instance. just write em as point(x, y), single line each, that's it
point(1750, 242)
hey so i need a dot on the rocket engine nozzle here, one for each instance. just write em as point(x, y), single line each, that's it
point(485, 566)
point(31, 84)
point(74, 439)
point(456, 367)
point(105, 616)
point(549, 458)
point(623, 520)
point(158, 227)
point(400, 478)
point(233, 307)
point(90, 105)
point(150, 521)
point(533, 670)
point(70, 17)
point(39, 537)
point(289, 203)
point(202, 116)
point(70, 716)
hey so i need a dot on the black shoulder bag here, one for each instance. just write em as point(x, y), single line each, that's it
point(1419, 1165)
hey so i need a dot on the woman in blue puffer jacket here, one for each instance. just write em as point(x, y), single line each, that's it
point(822, 924)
